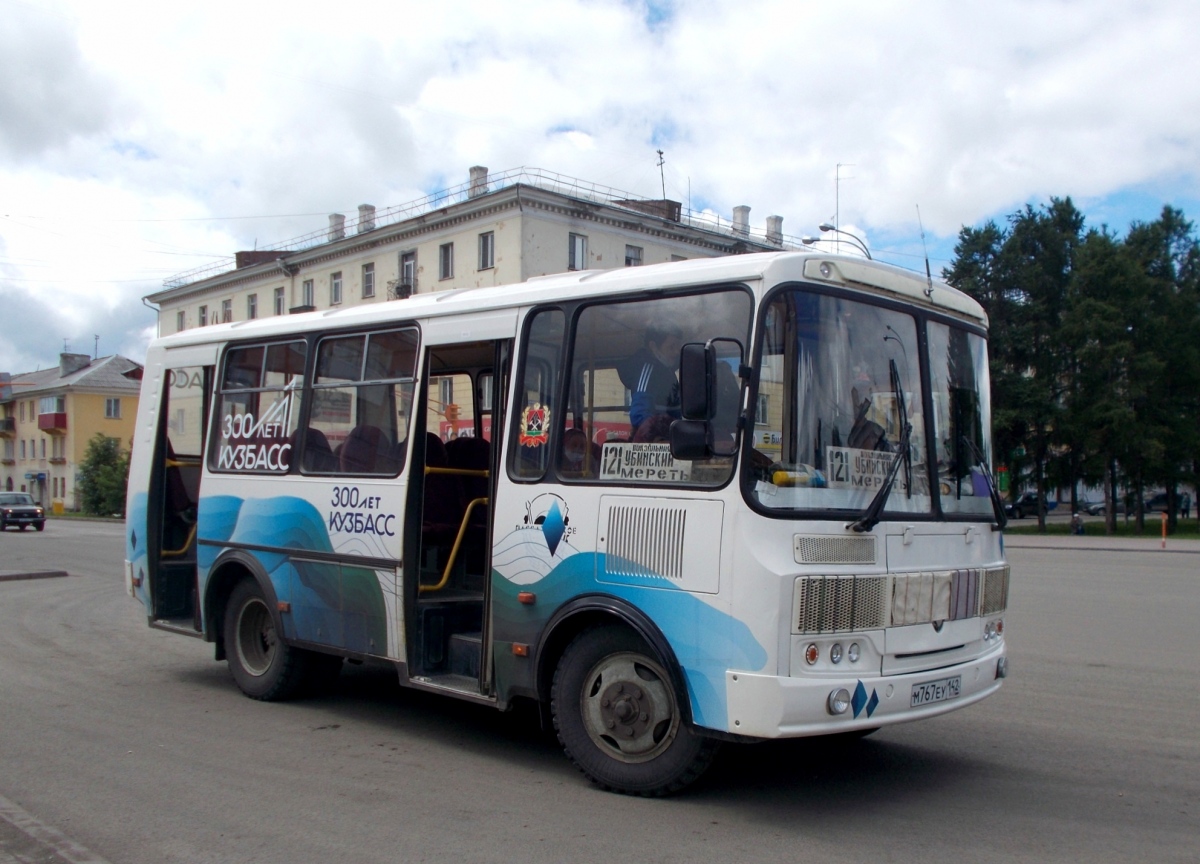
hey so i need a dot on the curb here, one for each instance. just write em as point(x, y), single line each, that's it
point(16, 575)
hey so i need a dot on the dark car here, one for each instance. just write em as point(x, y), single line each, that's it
point(1157, 503)
point(18, 508)
point(1026, 505)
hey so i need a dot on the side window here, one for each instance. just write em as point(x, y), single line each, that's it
point(624, 387)
point(258, 408)
point(536, 394)
point(361, 404)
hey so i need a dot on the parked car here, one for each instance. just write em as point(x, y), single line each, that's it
point(1097, 508)
point(1157, 503)
point(1026, 505)
point(19, 508)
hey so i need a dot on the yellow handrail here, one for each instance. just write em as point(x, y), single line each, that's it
point(460, 472)
point(173, 553)
point(462, 530)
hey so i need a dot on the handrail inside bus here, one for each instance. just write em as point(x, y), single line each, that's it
point(459, 472)
point(462, 530)
point(175, 553)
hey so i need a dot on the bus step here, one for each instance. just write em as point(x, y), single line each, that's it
point(465, 650)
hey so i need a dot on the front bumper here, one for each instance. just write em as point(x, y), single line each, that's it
point(769, 706)
point(24, 519)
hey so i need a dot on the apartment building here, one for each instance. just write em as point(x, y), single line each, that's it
point(48, 417)
point(491, 230)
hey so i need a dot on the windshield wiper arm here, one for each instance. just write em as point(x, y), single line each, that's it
point(870, 517)
point(993, 493)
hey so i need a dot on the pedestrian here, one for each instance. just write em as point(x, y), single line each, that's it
point(1185, 505)
point(1076, 524)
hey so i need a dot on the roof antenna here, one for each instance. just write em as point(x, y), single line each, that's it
point(661, 176)
point(928, 275)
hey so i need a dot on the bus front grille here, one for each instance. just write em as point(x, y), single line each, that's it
point(834, 604)
point(821, 549)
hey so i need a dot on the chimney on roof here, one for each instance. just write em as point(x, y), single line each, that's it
point(775, 230)
point(68, 363)
point(337, 226)
point(366, 218)
point(741, 220)
point(479, 181)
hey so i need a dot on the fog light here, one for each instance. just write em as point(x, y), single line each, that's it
point(835, 653)
point(1002, 668)
point(852, 652)
point(989, 631)
point(839, 701)
point(811, 653)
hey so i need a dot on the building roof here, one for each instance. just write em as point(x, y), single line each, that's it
point(105, 374)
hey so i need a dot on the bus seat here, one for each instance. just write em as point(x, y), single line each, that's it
point(362, 448)
point(318, 455)
point(443, 500)
point(471, 454)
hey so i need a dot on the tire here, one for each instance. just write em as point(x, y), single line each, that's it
point(609, 683)
point(41, 526)
point(263, 666)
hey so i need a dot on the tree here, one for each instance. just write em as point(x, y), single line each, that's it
point(103, 475)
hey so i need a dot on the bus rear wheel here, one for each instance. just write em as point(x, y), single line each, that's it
point(262, 664)
point(618, 718)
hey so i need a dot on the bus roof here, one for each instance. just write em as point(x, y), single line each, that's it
point(769, 268)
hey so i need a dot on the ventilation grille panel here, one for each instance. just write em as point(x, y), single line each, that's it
point(995, 591)
point(832, 604)
point(823, 549)
point(645, 541)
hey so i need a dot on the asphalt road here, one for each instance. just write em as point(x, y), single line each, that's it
point(132, 745)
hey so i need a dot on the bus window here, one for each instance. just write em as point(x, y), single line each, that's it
point(361, 400)
point(625, 387)
point(258, 408)
point(536, 395)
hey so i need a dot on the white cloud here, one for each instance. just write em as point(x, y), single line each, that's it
point(151, 111)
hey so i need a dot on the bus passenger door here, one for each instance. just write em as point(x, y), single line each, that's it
point(174, 494)
point(453, 486)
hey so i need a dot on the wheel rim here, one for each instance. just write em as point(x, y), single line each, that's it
point(628, 707)
point(256, 639)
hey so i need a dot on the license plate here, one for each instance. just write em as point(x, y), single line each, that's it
point(941, 690)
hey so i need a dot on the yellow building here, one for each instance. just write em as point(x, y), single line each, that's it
point(48, 417)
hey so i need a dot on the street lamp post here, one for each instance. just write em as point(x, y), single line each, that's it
point(826, 227)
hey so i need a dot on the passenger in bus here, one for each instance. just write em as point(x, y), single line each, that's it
point(650, 375)
point(579, 457)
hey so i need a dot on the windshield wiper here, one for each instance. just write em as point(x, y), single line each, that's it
point(870, 516)
point(997, 505)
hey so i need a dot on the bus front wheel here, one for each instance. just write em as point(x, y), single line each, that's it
point(618, 718)
point(262, 664)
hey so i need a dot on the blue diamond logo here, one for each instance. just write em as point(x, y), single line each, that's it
point(873, 704)
point(553, 527)
point(860, 698)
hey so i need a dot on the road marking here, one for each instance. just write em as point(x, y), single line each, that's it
point(59, 843)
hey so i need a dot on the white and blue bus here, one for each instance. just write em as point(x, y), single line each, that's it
point(721, 500)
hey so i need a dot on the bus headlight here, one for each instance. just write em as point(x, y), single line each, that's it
point(852, 653)
point(839, 701)
point(835, 653)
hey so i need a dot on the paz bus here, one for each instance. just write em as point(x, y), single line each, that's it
point(796, 535)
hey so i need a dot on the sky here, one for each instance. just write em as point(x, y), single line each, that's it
point(142, 139)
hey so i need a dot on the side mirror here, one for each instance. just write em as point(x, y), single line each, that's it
point(709, 399)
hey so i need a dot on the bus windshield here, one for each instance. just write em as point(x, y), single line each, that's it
point(840, 381)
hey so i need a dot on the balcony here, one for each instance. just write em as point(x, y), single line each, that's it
point(8, 427)
point(58, 460)
point(54, 424)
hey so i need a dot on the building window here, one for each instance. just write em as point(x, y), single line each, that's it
point(112, 409)
point(22, 406)
point(368, 280)
point(278, 301)
point(760, 412)
point(446, 261)
point(226, 311)
point(180, 321)
point(50, 405)
point(252, 306)
point(633, 256)
point(408, 271)
point(335, 288)
point(306, 292)
point(22, 448)
point(202, 316)
point(43, 448)
point(487, 251)
point(577, 252)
